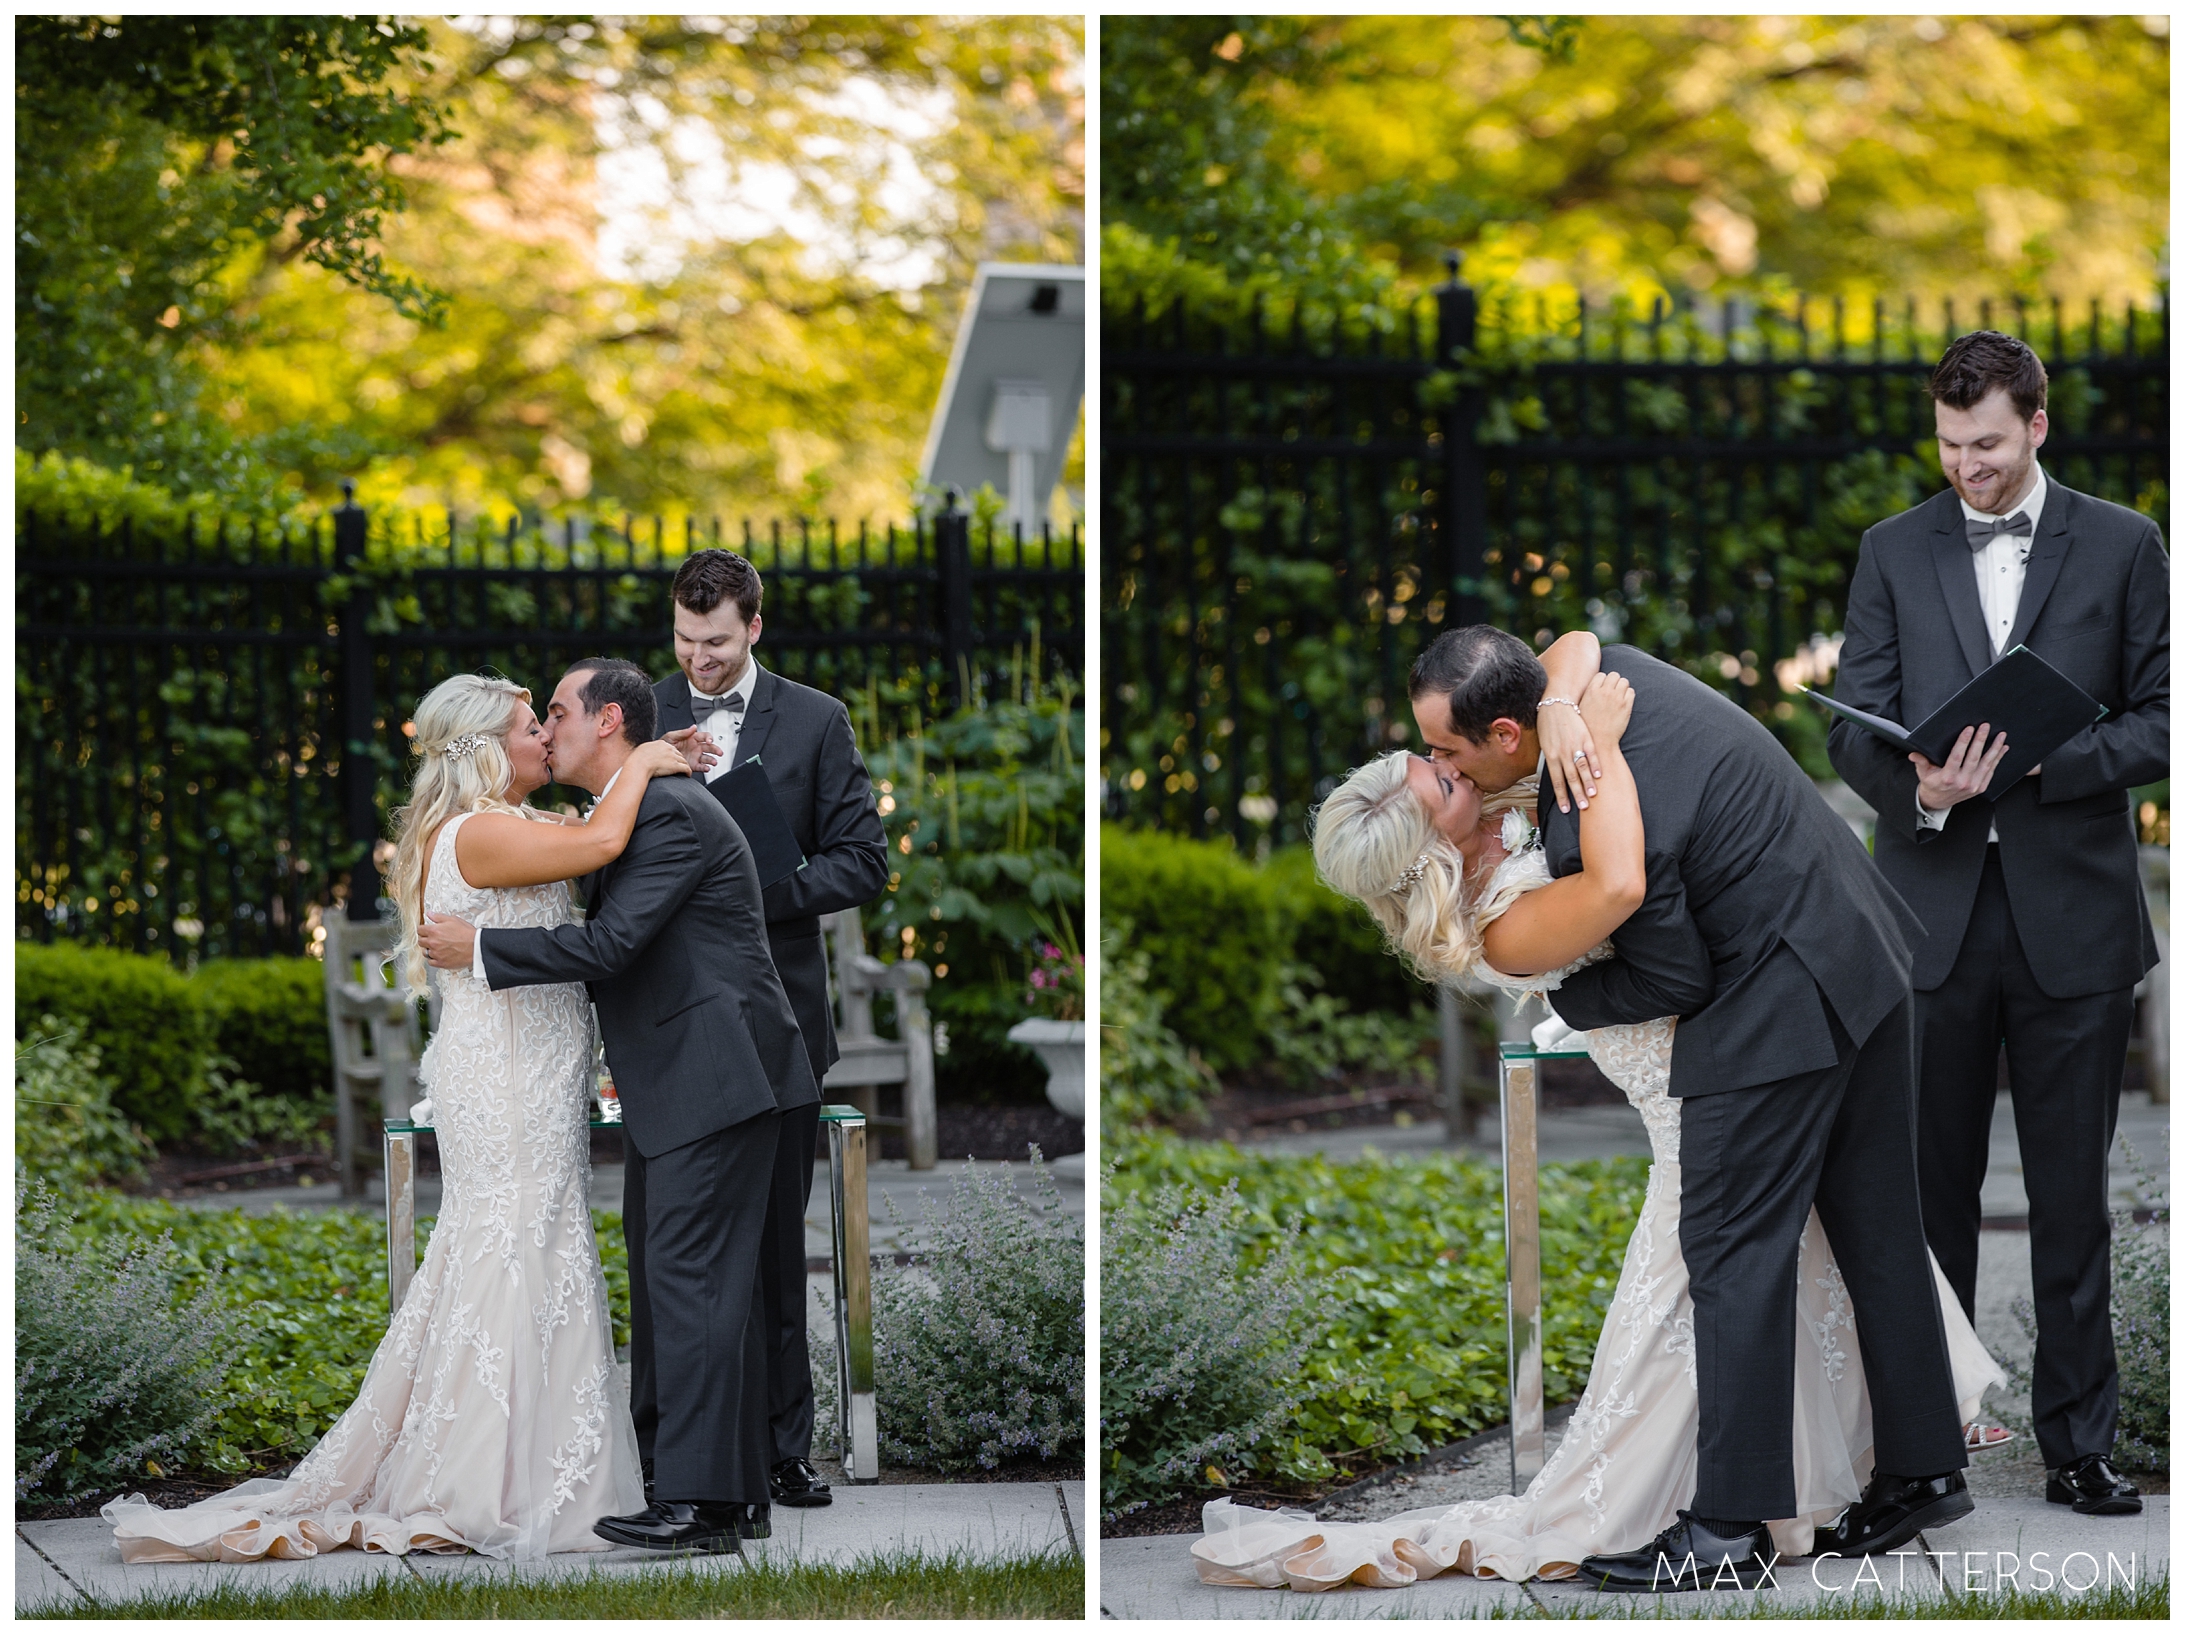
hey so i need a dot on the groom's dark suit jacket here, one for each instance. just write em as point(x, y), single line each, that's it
point(1759, 898)
point(2096, 605)
point(699, 1033)
point(803, 739)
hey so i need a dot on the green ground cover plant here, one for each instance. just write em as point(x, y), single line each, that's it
point(1406, 1258)
point(899, 1584)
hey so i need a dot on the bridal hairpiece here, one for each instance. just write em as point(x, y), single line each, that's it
point(1418, 867)
point(469, 744)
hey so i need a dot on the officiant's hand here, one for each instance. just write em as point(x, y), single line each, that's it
point(1972, 763)
point(697, 748)
point(447, 941)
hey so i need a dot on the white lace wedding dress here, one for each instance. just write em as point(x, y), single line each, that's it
point(1629, 1457)
point(492, 1417)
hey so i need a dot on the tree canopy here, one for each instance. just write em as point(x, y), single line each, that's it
point(717, 261)
point(1640, 155)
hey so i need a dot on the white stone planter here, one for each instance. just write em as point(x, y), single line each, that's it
point(1061, 1045)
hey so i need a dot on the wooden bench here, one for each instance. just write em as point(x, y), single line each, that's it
point(868, 1058)
point(377, 1039)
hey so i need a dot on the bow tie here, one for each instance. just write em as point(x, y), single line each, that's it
point(702, 706)
point(1978, 532)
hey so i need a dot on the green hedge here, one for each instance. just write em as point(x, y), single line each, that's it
point(152, 1032)
point(158, 1033)
point(1337, 938)
point(269, 1017)
point(1212, 933)
point(1221, 938)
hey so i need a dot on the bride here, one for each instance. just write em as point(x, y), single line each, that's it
point(492, 1417)
point(1461, 888)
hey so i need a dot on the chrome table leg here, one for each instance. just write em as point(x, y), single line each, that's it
point(401, 1173)
point(853, 1298)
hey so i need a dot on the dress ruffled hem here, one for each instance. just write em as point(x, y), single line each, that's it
point(212, 1531)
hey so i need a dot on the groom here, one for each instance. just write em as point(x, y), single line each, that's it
point(1768, 931)
point(705, 1051)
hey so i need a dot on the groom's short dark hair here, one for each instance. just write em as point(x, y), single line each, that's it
point(618, 681)
point(1974, 365)
point(1487, 674)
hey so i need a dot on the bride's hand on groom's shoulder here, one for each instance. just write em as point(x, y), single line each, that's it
point(448, 942)
point(676, 755)
point(1566, 745)
point(1606, 707)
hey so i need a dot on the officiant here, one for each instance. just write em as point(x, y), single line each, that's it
point(2037, 927)
point(803, 744)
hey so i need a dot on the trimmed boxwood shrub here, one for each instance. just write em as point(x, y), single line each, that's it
point(269, 1017)
point(1213, 937)
point(152, 1035)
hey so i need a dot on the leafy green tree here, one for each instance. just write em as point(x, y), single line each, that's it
point(1642, 155)
point(743, 369)
point(150, 153)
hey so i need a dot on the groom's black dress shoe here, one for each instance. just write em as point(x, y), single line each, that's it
point(1892, 1510)
point(794, 1482)
point(680, 1525)
point(1689, 1554)
point(2091, 1488)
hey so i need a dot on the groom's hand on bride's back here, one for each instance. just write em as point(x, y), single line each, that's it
point(448, 942)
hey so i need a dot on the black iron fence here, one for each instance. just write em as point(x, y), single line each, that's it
point(1291, 508)
point(210, 725)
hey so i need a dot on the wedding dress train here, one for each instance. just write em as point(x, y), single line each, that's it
point(1630, 1454)
point(493, 1417)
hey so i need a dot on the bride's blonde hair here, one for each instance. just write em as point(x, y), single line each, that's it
point(1374, 842)
point(462, 741)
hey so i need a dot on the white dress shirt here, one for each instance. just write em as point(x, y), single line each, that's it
point(724, 727)
point(2000, 571)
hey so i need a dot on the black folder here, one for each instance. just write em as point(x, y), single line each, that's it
point(2021, 695)
point(750, 801)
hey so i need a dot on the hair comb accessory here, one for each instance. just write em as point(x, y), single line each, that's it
point(468, 744)
point(1418, 867)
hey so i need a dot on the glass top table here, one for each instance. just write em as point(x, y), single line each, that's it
point(858, 1427)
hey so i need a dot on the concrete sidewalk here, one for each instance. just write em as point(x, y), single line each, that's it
point(57, 1562)
point(1154, 1577)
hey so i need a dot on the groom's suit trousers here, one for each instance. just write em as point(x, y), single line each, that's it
point(1755, 1161)
point(695, 1218)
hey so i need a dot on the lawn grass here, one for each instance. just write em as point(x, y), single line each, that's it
point(897, 1584)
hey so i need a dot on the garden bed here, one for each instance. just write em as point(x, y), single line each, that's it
point(1399, 1284)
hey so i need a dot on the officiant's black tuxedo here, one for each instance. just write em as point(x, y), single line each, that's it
point(1768, 932)
point(2033, 943)
point(803, 740)
point(705, 1052)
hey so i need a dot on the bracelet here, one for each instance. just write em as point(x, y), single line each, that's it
point(1566, 703)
